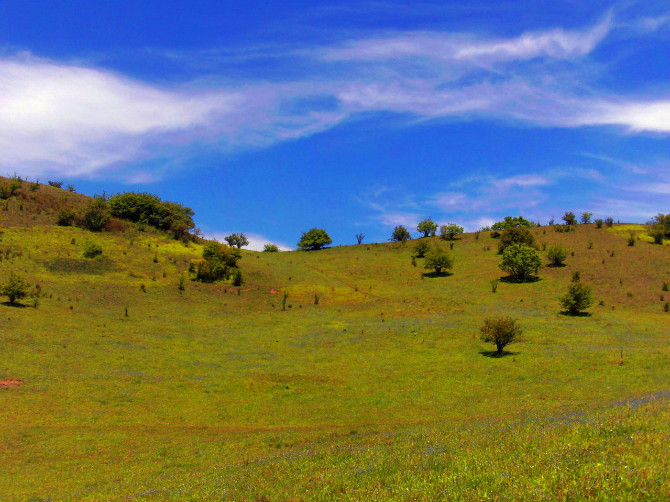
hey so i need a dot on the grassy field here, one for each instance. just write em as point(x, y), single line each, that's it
point(131, 389)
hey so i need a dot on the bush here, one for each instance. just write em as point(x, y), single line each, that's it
point(15, 288)
point(438, 259)
point(55, 184)
point(450, 230)
point(631, 239)
point(150, 210)
point(216, 262)
point(427, 227)
point(65, 217)
point(501, 331)
point(421, 248)
point(237, 240)
point(569, 218)
point(520, 261)
point(515, 235)
point(599, 223)
point(95, 215)
point(577, 299)
point(238, 280)
point(609, 221)
point(400, 234)
point(586, 217)
point(315, 239)
point(270, 248)
point(91, 250)
point(512, 222)
point(557, 255)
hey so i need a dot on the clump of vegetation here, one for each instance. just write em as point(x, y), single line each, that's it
point(237, 240)
point(599, 223)
point(314, 239)
point(427, 227)
point(515, 235)
point(400, 234)
point(631, 239)
point(586, 217)
point(270, 248)
point(149, 209)
point(15, 288)
point(577, 299)
point(91, 250)
point(421, 249)
point(182, 283)
point(512, 222)
point(557, 255)
point(96, 215)
point(569, 218)
point(576, 276)
point(238, 280)
point(451, 230)
point(55, 184)
point(65, 217)
point(520, 261)
point(500, 331)
point(660, 227)
point(665, 286)
point(494, 285)
point(609, 221)
point(216, 262)
point(438, 259)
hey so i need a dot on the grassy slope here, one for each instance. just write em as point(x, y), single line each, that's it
point(381, 391)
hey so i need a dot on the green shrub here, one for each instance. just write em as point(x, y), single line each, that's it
point(237, 240)
point(91, 250)
point(270, 248)
point(512, 222)
point(55, 184)
point(438, 259)
point(216, 263)
point(557, 255)
point(631, 239)
point(96, 215)
point(569, 218)
point(520, 261)
point(314, 239)
point(400, 234)
point(494, 285)
point(599, 223)
point(421, 248)
point(586, 217)
point(238, 280)
point(451, 230)
point(609, 221)
point(149, 209)
point(576, 276)
point(665, 286)
point(577, 299)
point(15, 288)
point(500, 331)
point(65, 217)
point(515, 235)
point(427, 227)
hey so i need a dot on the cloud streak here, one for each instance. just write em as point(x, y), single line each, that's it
point(77, 120)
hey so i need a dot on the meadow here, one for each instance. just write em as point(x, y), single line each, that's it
point(372, 384)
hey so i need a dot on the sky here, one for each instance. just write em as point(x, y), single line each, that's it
point(271, 118)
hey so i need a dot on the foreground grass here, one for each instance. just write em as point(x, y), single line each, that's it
point(382, 390)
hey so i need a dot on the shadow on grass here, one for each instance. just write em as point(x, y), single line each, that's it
point(493, 354)
point(556, 265)
point(509, 279)
point(575, 314)
point(15, 305)
point(433, 275)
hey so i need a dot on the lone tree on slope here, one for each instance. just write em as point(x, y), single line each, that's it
point(316, 238)
point(427, 227)
point(501, 331)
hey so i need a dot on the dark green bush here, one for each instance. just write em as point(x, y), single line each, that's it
point(216, 263)
point(437, 260)
point(15, 288)
point(500, 331)
point(512, 222)
point(96, 215)
point(400, 234)
point(270, 248)
point(599, 223)
point(65, 217)
point(515, 235)
point(150, 210)
point(451, 230)
point(577, 299)
point(557, 255)
point(91, 250)
point(421, 248)
point(520, 261)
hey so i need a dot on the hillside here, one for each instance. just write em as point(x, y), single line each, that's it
point(373, 384)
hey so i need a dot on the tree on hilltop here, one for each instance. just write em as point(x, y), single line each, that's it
point(314, 239)
point(427, 227)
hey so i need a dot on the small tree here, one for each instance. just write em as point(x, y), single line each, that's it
point(520, 261)
point(557, 255)
point(96, 215)
point(501, 331)
point(512, 222)
point(438, 259)
point(427, 227)
point(450, 230)
point(586, 217)
point(15, 288)
point(315, 239)
point(400, 234)
point(569, 218)
point(599, 223)
point(237, 240)
point(577, 298)
point(515, 235)
point(609, 221)
point(421, 249)
point(359, 238)
point(270, 248)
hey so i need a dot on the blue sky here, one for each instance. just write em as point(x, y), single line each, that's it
point(271, 118)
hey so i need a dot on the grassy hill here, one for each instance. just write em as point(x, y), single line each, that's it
point(120, 386)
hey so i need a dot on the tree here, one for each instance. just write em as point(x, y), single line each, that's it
point(237, 240)
point(315, 239)
point(577, 298)
point(359, 238)
point(400, 234)
point(438, 259)
point(427, 227)
point(586, 217)
point(421, 248)
point(515, 235)
point(520, 261)
point(660, 225)
point(96, 214)
point(569, 218)
point(216, 262)
point(450, 230)
point(270, 248)
point(512, 222)
point(501, 331)
point(557, 255)
point(15, 288)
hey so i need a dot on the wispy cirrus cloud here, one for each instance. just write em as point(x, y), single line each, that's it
point(84, 120)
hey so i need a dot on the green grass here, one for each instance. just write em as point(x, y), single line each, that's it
point(382, 391)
